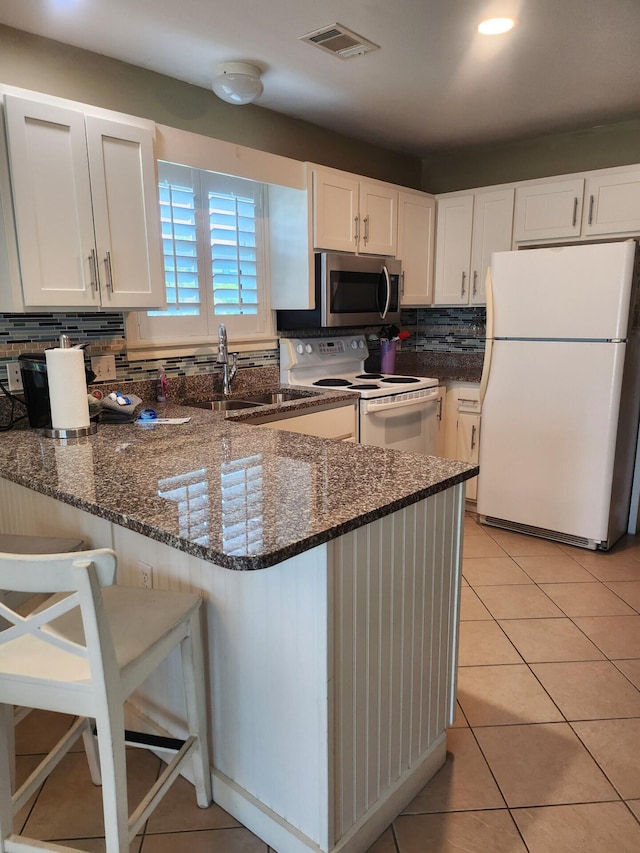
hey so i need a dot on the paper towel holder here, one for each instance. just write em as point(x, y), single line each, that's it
point(71, 432)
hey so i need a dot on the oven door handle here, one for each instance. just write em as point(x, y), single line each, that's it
point(385, 272)
point(375, 407)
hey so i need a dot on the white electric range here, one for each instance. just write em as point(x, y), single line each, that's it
point(395, 411)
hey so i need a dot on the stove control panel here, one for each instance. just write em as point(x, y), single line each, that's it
point(331, 347)
point(320, 353)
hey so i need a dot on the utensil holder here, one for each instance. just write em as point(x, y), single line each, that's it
point(387, 356)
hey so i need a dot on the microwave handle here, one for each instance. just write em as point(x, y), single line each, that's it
point(385, 272)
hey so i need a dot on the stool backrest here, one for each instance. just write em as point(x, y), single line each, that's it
point(71, 581)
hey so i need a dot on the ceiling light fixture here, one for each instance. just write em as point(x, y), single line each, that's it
point(238, 82)
point(495, 26)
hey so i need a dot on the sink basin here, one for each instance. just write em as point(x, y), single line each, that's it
point(222, 405)
point(271, 397)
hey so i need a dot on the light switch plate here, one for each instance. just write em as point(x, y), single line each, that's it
point(14, 376)
point(104, 367)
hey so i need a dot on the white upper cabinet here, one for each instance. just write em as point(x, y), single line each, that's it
point(453, 250)
point(548, 211)
point(416, 221)
point(85, 207)
point(353, 215)
point(612, 204)
point(378, 219)
point(596, 205)
point(469, 228)
point(126, 215)
point(492, 228)
point(335, 211)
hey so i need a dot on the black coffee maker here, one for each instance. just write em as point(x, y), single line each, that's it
point(35, 385)
point(33, 369)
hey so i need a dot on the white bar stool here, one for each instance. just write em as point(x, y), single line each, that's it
point(15, 543)
point(83, 652)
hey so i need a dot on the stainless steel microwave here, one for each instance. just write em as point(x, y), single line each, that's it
point(350, 290)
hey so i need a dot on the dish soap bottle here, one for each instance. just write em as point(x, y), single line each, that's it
point(161, 386)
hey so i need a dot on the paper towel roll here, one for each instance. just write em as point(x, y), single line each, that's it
point(67, 388)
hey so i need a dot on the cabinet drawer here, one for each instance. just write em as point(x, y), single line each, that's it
point(337, 423)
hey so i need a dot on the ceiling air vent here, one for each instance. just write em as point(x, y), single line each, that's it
point(339, 41)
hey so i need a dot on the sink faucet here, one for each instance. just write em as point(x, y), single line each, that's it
point(229, 367)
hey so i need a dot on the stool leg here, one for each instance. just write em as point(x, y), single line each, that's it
point(11, 742)
point(7, 762)
point(91, 749)
point(193, 674)
point(113, 767)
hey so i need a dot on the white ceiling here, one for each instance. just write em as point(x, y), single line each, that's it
point(435, 82)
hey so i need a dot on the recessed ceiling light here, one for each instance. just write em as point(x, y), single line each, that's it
point(495, 26)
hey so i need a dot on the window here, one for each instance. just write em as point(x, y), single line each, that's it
point(214, 246)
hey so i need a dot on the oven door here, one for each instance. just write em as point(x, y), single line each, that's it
point(406, 422)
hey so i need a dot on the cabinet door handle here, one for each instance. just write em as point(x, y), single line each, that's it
point(473, 436)
point(464, 276)
point(439, 415)
point(107, 265)
point(575, 210)
point(356, 236)
point(591, 200)
point(93, 269)
point(402, 284)
point(366, 230)
point(475, 282)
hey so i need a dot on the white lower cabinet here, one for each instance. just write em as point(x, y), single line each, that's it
point(468, 445)
point(462, 437)
point(340, 423)
point(85, 206)
point(442, 420)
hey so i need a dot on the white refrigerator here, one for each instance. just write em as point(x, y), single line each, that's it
point(561, 393)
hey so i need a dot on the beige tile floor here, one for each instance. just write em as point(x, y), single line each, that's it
point(544, 754)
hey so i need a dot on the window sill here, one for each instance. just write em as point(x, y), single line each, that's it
point(148, 350)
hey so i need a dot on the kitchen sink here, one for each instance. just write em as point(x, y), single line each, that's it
point(271, 397)
point(222, 405)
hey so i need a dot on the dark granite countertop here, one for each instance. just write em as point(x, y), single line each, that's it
point(237, 495)
point(444, 366)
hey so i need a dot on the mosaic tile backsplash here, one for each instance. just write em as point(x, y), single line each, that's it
point(432, 329)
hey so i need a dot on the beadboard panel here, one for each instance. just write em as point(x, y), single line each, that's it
point(266, 643)
point(24, 511)
point(396, 592)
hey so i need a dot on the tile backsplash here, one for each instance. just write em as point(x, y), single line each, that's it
point(104, 333)
point(432, 329)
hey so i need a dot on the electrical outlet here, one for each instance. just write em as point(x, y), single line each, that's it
point(104, 367)
point(14, 376)
point(145, 575)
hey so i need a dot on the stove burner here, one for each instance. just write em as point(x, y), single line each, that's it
point(366, 386)
point(401, 379)
point(369, 376)
point(332, 383)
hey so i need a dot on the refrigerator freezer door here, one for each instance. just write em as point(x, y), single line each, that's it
point(549, 424)
point(577, 292)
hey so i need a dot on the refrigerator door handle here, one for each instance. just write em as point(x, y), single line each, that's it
point(488, 344)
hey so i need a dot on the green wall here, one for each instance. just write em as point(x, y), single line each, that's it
point(42, 65)
point(615, 144)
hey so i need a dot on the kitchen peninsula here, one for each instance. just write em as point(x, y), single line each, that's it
point(331, 574)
